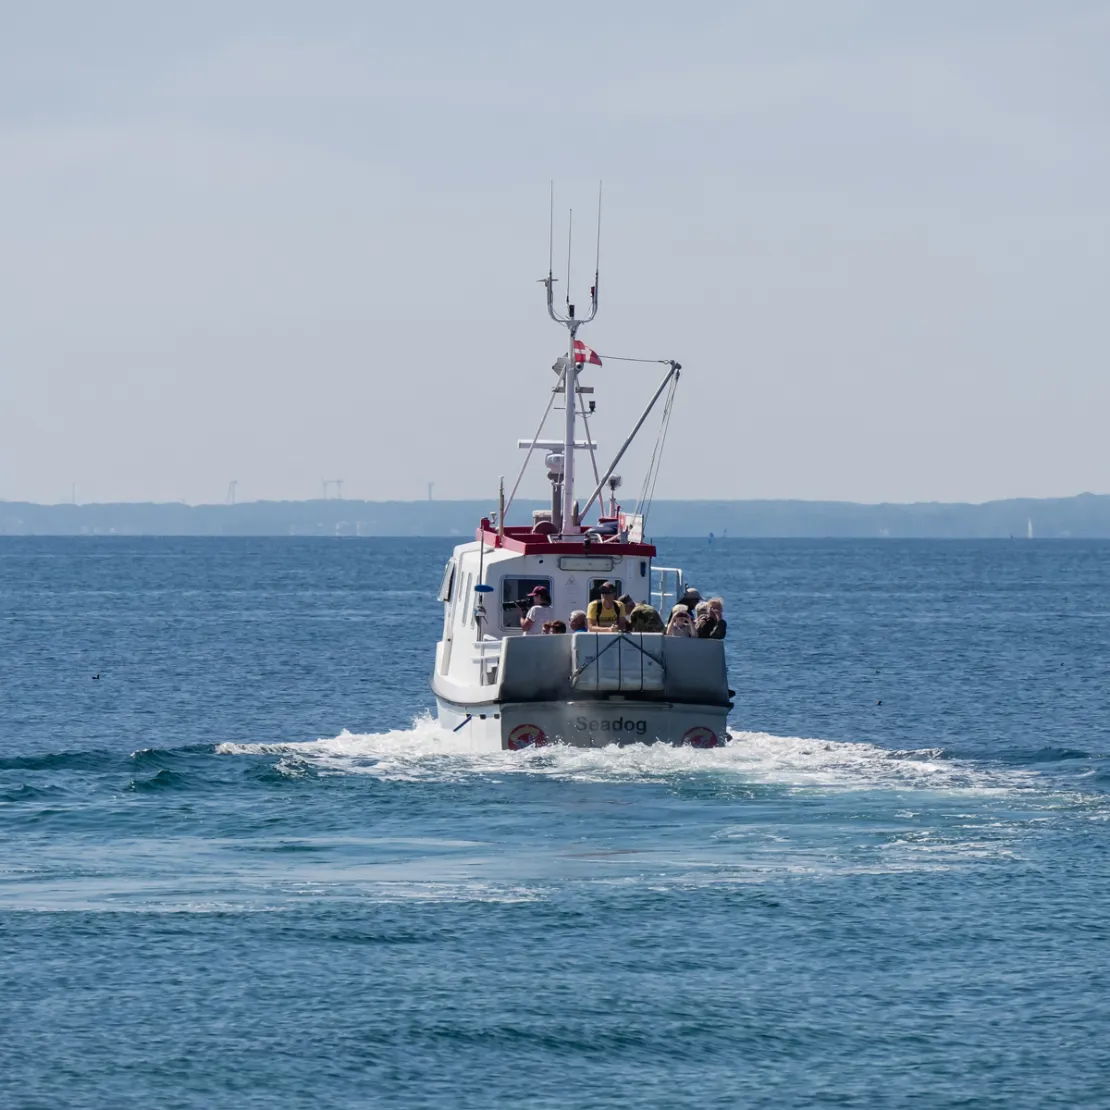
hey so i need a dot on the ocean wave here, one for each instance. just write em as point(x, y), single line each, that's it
point(1050, 754)
point(58, 761)
point(99, 759)
point(164, 779)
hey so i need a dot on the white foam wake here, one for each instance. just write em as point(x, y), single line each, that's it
point(427, 752)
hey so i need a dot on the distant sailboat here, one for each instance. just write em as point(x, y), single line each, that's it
point(1029, 528)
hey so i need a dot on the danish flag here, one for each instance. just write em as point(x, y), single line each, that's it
point(584, 354)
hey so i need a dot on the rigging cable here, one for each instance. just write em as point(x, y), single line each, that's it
point(532, 448)
point(616, 358)
point(647, 493)
point(624, 358)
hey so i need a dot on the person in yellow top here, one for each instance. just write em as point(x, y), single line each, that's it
point(606, 614)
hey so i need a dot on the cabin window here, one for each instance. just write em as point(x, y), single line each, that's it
point(447, 586)
point(514, 590)
point(597, 583)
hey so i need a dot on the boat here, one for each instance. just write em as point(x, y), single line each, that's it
point(504, 688)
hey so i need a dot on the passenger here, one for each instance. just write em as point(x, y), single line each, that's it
point(578, 620)
point(680, 623)
point(690, 599)
point(645, 618)
point(541, 611)
point(606, 614)
point(628, 604)
point(557, 628)
point(717, 608)
point(547, 627)
point(704, 620)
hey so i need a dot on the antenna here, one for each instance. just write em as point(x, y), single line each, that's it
point(597, 257)
point(568, 367)
point(570, 233)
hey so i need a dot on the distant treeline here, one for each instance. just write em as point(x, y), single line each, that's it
point(1085, 516)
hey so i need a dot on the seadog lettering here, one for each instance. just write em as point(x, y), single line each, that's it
point(619, 725)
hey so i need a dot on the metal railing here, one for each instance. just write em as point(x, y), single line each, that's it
point(488, 656)
point(663, 596)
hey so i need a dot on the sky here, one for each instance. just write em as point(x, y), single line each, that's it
point(280, 242)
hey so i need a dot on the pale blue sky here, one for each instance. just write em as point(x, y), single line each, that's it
point(283, 241)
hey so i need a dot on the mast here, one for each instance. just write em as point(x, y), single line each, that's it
point(570, 396)
point(570, 373)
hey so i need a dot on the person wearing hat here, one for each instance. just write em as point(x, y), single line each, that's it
point(606, 614)
point(540, 612)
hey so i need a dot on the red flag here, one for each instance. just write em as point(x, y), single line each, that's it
point(584, 354)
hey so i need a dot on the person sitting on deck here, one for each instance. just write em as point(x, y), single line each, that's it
point(541, 611)
point(680, 623)
point(645, 618)
point(578, 621)
point(606, 614)
point(556, 628)
point(627, 603)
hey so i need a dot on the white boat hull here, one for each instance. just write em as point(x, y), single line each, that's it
point(589, 723)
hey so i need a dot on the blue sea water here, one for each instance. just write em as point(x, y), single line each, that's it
point(242, 868)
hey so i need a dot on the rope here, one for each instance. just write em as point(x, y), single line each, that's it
point(523, 465)
point(647, 492)
point(613, 640)
point(622, 358)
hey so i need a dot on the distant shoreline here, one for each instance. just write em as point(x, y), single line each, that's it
point(1085, 516)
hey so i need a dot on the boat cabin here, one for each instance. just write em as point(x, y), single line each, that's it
point(485, 583)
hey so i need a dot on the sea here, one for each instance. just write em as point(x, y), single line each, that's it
point(240, 865)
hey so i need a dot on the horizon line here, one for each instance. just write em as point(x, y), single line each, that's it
point(478, 501)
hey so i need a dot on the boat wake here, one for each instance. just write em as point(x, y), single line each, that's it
point(792, 764)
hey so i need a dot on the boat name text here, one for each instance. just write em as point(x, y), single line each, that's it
point(584, 724)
